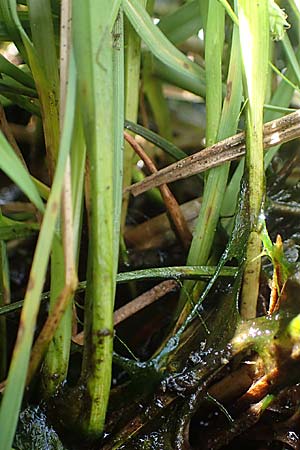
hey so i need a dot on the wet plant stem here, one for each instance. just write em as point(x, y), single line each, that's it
point(62, 262)
point(254, 28)
point(206, 224)
point(132, 63)
point(4, 300)
point(101, 109)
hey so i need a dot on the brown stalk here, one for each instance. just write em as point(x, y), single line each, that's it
point(259, 389)
point(5, 128)
point(235, 384)
point(176, 217)
point(156, 232)
point(278, 280)
point(276, 132)
point(18, 207)
point(48, 330)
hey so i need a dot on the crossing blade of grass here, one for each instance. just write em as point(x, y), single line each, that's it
point(158, 273)
point(28, 104)
point(7, 84)
point(15, 72)
point(229, 11)
point(7, 34)
point(170, 148)
point(13, 394)
point(254, 38)
point(11, 229)
point(183, 23)
point(174, 61)
point(8, 14)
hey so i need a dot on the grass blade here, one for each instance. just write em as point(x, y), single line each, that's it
point(183, 23)
point(14, 169)
point(172, 59)
point(12, 398)
point(14, 72)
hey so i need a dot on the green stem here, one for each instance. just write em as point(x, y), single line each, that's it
point(56, 363)
point(254, 28)
point(4, 300)
point(219, 126)
point(96, 45)
point(132, 79)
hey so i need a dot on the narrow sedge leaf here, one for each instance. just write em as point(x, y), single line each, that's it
point(15, 72)
point(183, 23)
point(28, 104)
point(160, 46)
point(227, 121)
point(8, 84)
point(46, 89)
point(14, 169)
point(20, 37)
point(158, 273)
point(43, 37)
point(229, 11)
point(8, 13)
point(12, 229)
point(170, 148)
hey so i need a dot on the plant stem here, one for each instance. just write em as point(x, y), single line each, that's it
point(132, 79)
point(219, 126)
point(254, 38)
point(97, 47)
point(4, 300)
